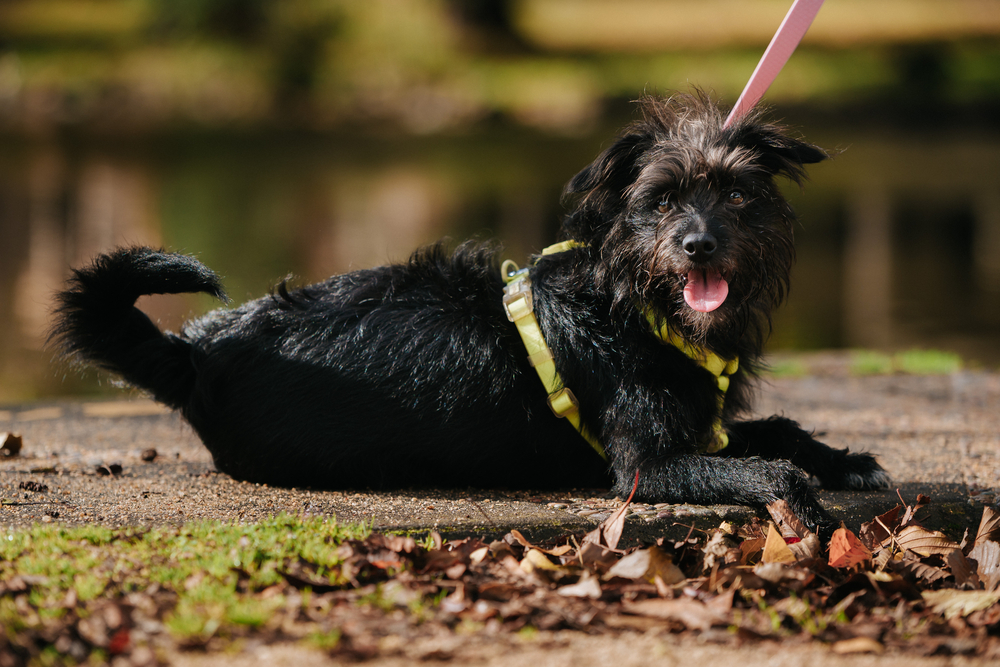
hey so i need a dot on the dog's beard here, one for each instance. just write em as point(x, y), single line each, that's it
point(708, 304)
point(725, 303)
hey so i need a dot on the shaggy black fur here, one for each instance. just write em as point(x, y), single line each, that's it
point(410, 374)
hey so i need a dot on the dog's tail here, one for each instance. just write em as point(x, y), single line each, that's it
point(97, 321)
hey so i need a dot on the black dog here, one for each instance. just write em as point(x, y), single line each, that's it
point(654, 313)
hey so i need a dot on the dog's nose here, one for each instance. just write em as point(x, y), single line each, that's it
point(699, 246)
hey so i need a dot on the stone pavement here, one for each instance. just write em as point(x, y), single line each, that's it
point(937, 435)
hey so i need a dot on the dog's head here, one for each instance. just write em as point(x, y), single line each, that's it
point(689, 220)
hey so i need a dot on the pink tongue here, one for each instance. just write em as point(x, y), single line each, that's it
point(705, 290)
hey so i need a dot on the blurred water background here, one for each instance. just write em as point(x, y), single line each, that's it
point(311, 137)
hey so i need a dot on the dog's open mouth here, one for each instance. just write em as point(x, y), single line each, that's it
point(705, 290)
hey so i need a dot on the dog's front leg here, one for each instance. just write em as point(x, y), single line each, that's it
point(708, 480)
point(781, 438)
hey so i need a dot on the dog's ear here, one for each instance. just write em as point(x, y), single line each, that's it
point(779, 153)
point(613, 171)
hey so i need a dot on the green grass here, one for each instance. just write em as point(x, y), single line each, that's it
point(913, 362)
point(202, 563)
point(872, 362)
point(788, 367)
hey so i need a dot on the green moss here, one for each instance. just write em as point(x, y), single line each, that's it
point(214, 568)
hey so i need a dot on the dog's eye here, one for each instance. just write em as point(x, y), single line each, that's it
point(664, 204)
point(736, 197)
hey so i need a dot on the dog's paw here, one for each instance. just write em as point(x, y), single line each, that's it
point(855, 472)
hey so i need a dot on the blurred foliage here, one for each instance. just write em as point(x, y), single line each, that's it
point(433, 65)
point(912, 362)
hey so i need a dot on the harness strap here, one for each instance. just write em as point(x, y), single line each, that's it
point(518, 304)
point(708, 360)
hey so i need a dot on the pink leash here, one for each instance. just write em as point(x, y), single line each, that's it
point(790, 33)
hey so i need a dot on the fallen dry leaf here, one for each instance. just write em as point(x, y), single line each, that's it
point(587, 587)
point(807, 547)
point(750, 549)
point(718, 548)
point(778, 573)
point(789, 525)
point(952, 603)
point(694, 614)
point(857, 645)
point(775, 549)
point(536, 560)
point(987, 557)
point(561, 550)
point(924, 542)
point(911, 510)
point(875, 532)
point(647, 564)
point(963, 571)
point(989, 526)
point(610, 531)
point(594, 555)
point(846, 550)
point(917, 570)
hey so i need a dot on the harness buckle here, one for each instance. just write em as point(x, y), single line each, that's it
point(563, 403)
point(517, 301)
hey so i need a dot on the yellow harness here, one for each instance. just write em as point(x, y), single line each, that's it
point(517, 303)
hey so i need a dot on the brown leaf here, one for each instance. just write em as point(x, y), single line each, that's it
point(647, 564)
point(397, 543)
point(717, 549)
point(750, 549)
point(952, 603)
point(857, 645)
point(557, 551)
point(887, 584)
point(610, 531)
point(739, 578)
point(924, 542)
point(594, 555)
point(874, 532)
point(989, 526)
point(987, 557)
point(695, 615)
point(722, 603)
point(962, 570)
point(922, 572)
point(788, 523)
point(911, 510)
point(775, 549)
point(846, 550)
point(497, 591)
point(777, 573)
point(807, 547)
point(455, 571)
point(536, 560)
point(587, 587)
point(499, 549)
